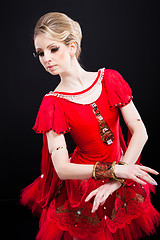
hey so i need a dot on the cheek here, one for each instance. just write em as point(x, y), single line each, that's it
point(63, 55)
point(41, 59)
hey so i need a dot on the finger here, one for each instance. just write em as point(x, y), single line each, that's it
point(148, 169)
point(101, 204)
point(138, 180)
point(146, 177)
point(95, 206)
point(93, 193)
point(103, 199)
point(97, 201)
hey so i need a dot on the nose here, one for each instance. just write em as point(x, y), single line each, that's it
point(47, 57)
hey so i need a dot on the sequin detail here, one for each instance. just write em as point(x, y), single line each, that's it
point(124, 199)
point(105, 132)
point(79, 214)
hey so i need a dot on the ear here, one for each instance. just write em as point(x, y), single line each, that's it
point(73, 48)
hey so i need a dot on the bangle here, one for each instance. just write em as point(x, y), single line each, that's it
point(106, 170)
point(121, 180)
point(102, 170)
point(122, 163)
point(94, 171)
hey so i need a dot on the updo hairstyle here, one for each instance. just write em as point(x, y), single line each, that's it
point(59, 27)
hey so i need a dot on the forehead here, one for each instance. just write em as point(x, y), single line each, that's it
point(41, 41)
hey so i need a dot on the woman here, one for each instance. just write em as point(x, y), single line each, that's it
point(101, 191)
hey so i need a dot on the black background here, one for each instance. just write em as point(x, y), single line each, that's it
point(118, 34)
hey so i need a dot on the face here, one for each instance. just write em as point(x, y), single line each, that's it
point(55, 56)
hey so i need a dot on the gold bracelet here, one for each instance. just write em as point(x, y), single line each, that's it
point(121, 180)
point(102, 170)
point(122, 163)
point(94, 171)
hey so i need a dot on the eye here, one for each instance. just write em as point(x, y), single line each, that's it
point(41, 54)
point(37, 54)
point(55, 49)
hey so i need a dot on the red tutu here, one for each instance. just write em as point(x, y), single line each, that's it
point(126, 214)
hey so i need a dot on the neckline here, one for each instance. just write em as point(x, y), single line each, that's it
point(82, 104)
point(83, 91)
point(65, 96)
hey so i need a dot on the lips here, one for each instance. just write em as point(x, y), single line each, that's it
point(51, 67)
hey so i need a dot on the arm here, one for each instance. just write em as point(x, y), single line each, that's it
point(67, 170)
point(136, 144)
point(60, 159)
point(138, 131)
point(130, 171)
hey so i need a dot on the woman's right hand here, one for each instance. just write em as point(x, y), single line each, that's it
point(135, 172)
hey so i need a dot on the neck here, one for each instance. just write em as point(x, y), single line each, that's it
point(73, 76)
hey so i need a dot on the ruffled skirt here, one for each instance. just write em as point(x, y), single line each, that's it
point(126, 214)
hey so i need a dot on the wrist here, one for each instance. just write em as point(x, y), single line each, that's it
point(102, 170)
point(114, 176)
point(107, 170)
point(116, 170)
point(119, 184)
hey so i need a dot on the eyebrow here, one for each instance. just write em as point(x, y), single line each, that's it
point(47, 46)
point(51, 45)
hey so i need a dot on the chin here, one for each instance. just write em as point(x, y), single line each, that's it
point(56, 71)
point(53, 72)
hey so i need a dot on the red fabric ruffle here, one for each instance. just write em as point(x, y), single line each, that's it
point(118, 91)
point(39, 194)
point(51, 116)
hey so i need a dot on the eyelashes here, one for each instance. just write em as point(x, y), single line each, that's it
point(54, 49)
point(41, 54)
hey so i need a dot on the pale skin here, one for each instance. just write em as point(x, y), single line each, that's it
point(74, 78)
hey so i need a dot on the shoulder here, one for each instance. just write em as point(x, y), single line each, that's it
point(50, 104)
point(51, 116)
point(118, 90)
point(112, 75)
point(110, 71)
point(49, 98)
point(113, 79)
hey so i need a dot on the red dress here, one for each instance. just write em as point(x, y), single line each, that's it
point(128, 212)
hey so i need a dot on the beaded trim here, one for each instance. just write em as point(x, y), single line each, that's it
point(45, 131)
point(122, 104)
point(80, 95)
point(105, 132)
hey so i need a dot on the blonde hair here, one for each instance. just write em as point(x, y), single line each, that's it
point(58, 26)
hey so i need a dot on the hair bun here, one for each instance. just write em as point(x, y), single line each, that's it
point(60, 27)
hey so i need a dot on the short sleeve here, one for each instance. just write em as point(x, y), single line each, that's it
point(51, 116)
point(118, 91)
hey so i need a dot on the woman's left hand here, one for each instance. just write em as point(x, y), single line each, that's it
point(102, 193)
